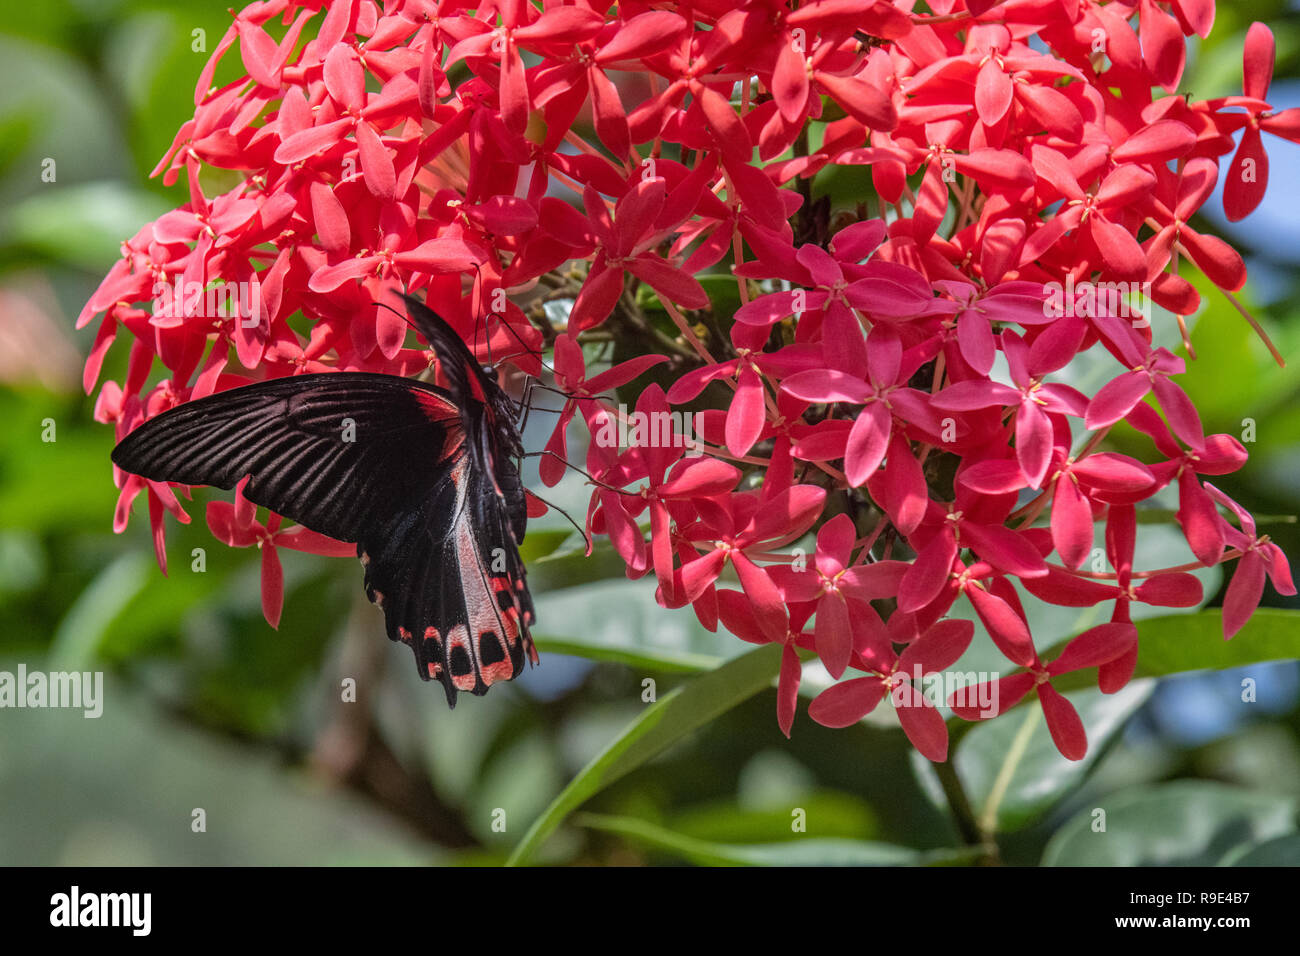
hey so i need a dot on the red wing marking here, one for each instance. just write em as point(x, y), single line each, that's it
point(504, 593)
point(460, 658)
point(434, 654)
point(437, 408)
point(440, 410)
point(489, 645)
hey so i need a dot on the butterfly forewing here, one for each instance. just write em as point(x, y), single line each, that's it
point(338, 452)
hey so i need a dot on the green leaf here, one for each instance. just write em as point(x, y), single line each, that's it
point(1279, 851)
point(664, 723)
point(16, 131)
point(79, 634)
point(140, 773)
point(568, 567)
point(724, 294)
point(809, 851)
point(831, 813)
point(542, 544)
point(621, 621)
point(79, 458)
point(1179, 643)
point(1187, 642)
point(1184, 823)
point(83, 224)
point(653, 660)
point(1013, 772)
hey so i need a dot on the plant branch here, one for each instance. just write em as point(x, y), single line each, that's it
point(964, 817)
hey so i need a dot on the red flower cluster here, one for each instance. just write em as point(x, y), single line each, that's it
point(889, 371)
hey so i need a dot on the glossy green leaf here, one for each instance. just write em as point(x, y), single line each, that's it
point(569, 566)
point(82, 224)
point(140, 774)
point(828, 814)
point(77, 638)
point(1279, 851)
point(1188, 642)
point(664, 723)
point(620, 620)
point(1013, 772)
point(1185, 823)
point(1180, 643)
point(811, 851)
point(661, 661)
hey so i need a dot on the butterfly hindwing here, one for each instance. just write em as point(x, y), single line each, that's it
point(468, 630)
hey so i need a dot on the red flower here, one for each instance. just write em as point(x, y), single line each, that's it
point(510, 160)
point(237, 526)
point(571, 377)
point(898, 676)
point(1095, 646)
point(736, 524)
point(1247, 175)
point(737, 614)
point(884, 394)
point(1260, 558)
point(1150, 370)
point(839, 588)
point(1034, 401)
point(623, 245)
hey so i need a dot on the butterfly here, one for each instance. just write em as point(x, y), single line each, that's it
point(425, 480)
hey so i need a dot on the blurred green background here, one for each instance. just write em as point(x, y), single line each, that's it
point(208, 708)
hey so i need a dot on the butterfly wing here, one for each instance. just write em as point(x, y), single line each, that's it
point(467, 630)
point(465, 377)
point(339, 452)
point(382, 461)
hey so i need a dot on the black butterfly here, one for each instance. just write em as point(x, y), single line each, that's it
point(427, 486)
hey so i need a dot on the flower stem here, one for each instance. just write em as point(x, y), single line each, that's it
point(1259, 329)
point(963, 815)
point(1176, 569)
point(988, 820)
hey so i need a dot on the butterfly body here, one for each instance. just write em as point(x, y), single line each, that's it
point(424, 479)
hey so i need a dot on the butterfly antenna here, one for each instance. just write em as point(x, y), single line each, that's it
point(568, 464)
point(476, 307)
point(407, 319)
point(487, 340)
point(524, 407)
point(577, 527)
point(527, 351)
point(560, 391)
point(401, 315)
